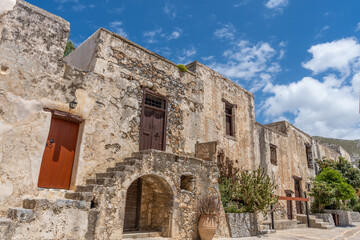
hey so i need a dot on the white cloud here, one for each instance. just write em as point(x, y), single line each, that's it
point(328, 106)
point(173, 35)
point(226, 32)
point(208, 58)
point(319, 108)
point(247, 61)
point(116, 26)
point(276, 4)
point(187, 55)
point(78, 8)
point(322, 31)
point(169, 10)
point(151, 35)
point(241, 3)
point(338, 55)
point(357, 27)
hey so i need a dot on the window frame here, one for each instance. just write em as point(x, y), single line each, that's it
point(229, 106)
point(309, 155)
point(273, 148)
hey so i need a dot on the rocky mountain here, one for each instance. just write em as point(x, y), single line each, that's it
point(351, 146)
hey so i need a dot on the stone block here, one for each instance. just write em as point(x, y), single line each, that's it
point(206, 151)
point(242, 224)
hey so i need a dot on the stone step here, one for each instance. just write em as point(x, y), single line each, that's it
point(59, 203)
point(105, 175)
point(21, 214)
point(6, 228)
point(267, 231)
point(101, 181)
point(86, 188)
point(263, 227)
point(83, 196)
point(135, 235)
point(117, 168)
point(301, 225)
point(136, 155)
point(121, 164)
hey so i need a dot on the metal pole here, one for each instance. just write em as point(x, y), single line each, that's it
point(307, 212)
point(272, 217)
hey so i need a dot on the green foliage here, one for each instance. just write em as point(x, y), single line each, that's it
point(324, 195)
point(348, 171)
point(330, 189)
point(70, 46)
point(182, 68)
point(250, 191)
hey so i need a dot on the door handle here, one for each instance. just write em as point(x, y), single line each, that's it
point(157, 134)
point(51, 141)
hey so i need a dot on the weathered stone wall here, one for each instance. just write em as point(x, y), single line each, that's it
point(32, 43)
point(292, 160)
point(184, 216)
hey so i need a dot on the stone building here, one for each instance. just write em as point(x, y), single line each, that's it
point(114, 138)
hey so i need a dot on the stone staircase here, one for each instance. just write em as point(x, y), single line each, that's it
point(85, 198)
point(314, 222)
point(143, 235)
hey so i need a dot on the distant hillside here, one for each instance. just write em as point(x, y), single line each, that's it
point(351, 146)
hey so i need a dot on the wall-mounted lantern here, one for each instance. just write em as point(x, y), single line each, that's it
point(73, 104)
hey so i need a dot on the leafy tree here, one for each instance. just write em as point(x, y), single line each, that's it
point(324, 195)
point(350, 173)
point(330, 189)
point(70, 46)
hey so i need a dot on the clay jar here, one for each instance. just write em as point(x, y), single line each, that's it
point(207, 226)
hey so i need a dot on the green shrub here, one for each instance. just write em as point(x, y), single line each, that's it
point(182, 68)
point(330, 189)
point(70, 46)
point(250, 191)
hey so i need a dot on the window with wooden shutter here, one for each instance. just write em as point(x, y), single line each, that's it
point(273, 156)
point(229, 120)
point(309, 156)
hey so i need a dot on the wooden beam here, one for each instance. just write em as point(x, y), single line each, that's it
point(299, 199)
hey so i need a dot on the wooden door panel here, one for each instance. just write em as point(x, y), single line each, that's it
point(158, 132)
point(153, 122)
point(298, 194)
point(147, 131)
point(131, 220)
point(58, 157)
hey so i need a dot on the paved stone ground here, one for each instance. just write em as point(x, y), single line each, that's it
point(339, 233)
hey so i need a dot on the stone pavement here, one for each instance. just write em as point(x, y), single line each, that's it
point(339, 233)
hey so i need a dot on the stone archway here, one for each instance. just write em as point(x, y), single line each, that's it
point(149, 206)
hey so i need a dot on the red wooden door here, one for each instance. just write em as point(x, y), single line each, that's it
point(58, 158)
point(132, 206)
point(153, 121)
point(298, 194)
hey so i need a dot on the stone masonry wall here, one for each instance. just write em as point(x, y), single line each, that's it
point(291, 159)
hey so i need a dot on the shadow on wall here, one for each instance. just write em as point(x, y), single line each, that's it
point(149, 203)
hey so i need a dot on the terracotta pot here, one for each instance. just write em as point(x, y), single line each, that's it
point(207, 227)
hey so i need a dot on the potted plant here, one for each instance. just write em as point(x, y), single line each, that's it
point(209, 208)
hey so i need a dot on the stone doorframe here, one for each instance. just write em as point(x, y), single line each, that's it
point(114, 212)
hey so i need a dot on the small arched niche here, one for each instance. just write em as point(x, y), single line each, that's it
point(148, 208)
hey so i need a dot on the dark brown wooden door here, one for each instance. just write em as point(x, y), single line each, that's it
point(298, 194)
point(289, 206)
point(58, 158)
point(132, 207)
point(153, 123)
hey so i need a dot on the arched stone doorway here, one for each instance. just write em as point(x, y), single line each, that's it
point(148, 208)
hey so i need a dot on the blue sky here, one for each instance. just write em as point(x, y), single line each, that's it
point(300, 58)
